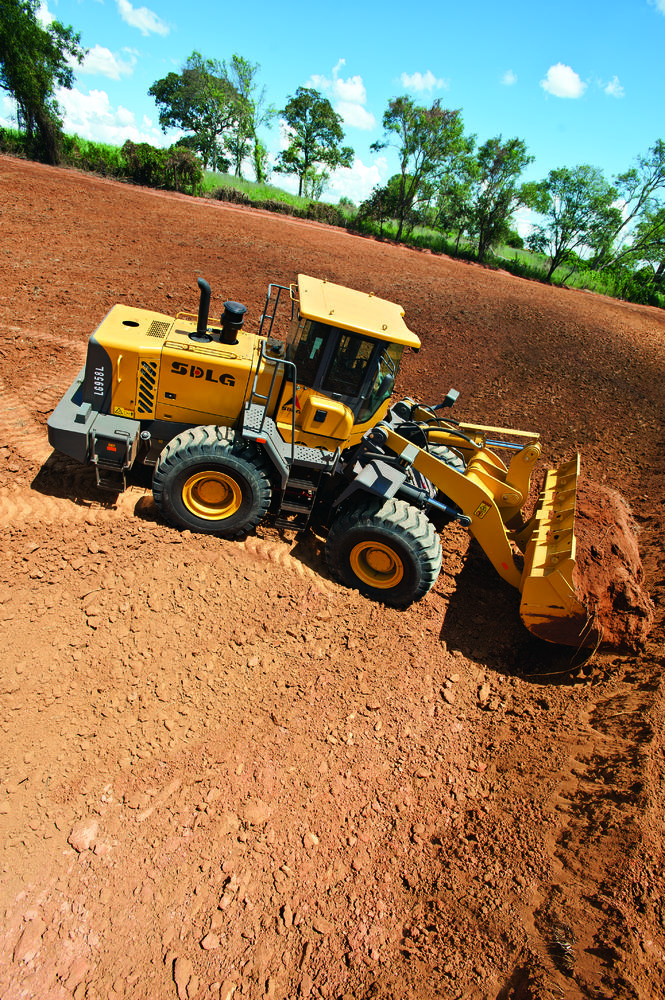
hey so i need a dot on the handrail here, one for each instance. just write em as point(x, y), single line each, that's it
point(256, 398)
point(265, 315)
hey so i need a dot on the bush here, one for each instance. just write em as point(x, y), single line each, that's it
point(182, 170)
point(514, 240)
point(234, 195)
point(145, 163)
point(96, 157)
point(319, 211)
point(13, 143)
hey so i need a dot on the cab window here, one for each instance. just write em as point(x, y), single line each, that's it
point(348, 368)
point(384, 381)
point(307, 350)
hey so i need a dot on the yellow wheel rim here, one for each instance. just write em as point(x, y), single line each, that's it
point(211, 495)
point(376, 564)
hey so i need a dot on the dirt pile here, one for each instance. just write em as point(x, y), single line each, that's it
point(609, 576)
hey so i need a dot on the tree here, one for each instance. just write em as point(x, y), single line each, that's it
point(314, 135)
point(242, 139)
point(499, 166)
point(33, 61)
point(260, 161)
point(453, 192)
point(648, 246)
point(386, 202)
point(637, 225)
point(379, 207)
point(201, 100)
point(578, 205)
point(314, 183)
point(425, 139)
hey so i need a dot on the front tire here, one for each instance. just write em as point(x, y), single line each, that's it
point(387, 550)
point(208, 484)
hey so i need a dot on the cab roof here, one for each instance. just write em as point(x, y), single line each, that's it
point(348, 309)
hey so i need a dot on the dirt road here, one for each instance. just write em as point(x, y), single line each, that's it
point(222, 774)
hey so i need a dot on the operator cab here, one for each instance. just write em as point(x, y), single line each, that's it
point(347, 345)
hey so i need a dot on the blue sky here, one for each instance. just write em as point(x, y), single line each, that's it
point(580, 82)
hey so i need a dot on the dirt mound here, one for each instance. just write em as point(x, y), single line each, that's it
point(609, 575)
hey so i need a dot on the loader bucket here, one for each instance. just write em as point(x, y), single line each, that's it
point(551, 607)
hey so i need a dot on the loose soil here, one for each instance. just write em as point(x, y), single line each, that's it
point(223, 774)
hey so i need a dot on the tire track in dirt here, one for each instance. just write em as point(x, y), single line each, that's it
point(599, 799)
point(279, 554)
point(18, 505)
point(19, 428)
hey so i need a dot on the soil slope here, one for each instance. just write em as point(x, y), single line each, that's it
point(221, 773)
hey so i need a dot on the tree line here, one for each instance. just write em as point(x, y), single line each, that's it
point(447, 181)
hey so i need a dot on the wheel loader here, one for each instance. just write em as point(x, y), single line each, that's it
point(239, 427)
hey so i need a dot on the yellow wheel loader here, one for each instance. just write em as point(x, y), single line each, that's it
point(240, 426)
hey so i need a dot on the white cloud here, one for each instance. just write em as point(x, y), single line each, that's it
point(355, 115)
point(562, 81)
point(614, 88)
point(509, 78)
point(423, 81)
point(7, 111)
point(355, 182)
point(93, 117)
point(284, 134)
point(348, 97)
point(102, 62)
point(659, 5)
point(44, 15)
point(140, 17)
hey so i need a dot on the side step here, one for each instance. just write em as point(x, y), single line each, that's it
point(297, 504)
point(110, 478)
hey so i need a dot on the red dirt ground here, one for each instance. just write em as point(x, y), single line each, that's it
point(222, 774)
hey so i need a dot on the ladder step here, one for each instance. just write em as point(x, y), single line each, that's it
point(296, 508)
point(300, 484)
point(297, 523)
point(110, 478)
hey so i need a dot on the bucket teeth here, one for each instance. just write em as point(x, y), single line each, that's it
point(550, 606)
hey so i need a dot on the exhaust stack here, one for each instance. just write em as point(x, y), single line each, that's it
point(204, 309)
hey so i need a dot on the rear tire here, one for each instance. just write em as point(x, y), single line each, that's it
point(208, 484)
point(387, 550)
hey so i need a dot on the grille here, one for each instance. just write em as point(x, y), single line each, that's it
point(147, 383)
point(158, 329)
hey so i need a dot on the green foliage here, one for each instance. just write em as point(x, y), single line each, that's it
point(145, 163)
point(514, 240)
point(33, 61)
point(315, 136)
point(14, 143)
point(638, 226)
point(497, 195)
point(426, 139)
point(254, 191)
point(182, 170)
point(241, 140)
point(386, 203)
point(96, 157)
point(314, 182)
point(272, 199)
point(202, 101)
point(260, 160)
point(578, 206)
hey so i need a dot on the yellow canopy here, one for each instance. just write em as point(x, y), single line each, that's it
point(348, 309)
